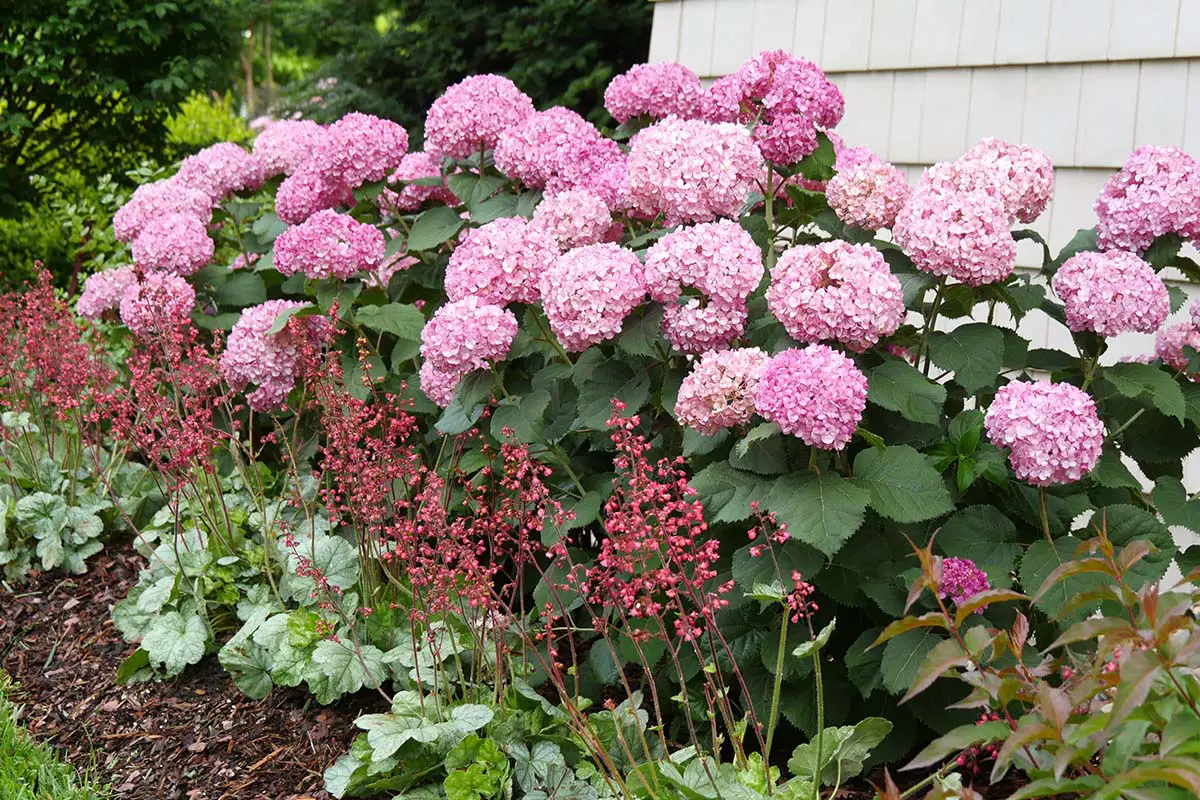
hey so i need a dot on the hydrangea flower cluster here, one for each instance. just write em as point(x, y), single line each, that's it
point(1025, 175)
point(1111, 293)
point(271, 360)
point(719, 391)
point(285, 146)
point(157, 303)
point(836, 291)
point(574, 218)
point(501, 262)
point(559, 150)
point(102, 291)
point(1051, 430)
point(416, 166)
point(463, 335)
point(694, 325)
point(359, 148)
point(221, 170)
point(471, 114)
point(654, 90)
point(691, 171)
point(589, 291)
point(159, 199)
point(867, 191)
point(308, 191)
point(1169, 343)
point(963, 235)
point(815, 393)
point(329, 245)
point(1155, 193)
point(962, 580)
point(177, 243)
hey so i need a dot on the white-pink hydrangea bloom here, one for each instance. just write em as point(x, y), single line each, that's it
point(773, 84)
point(285, 146)
point(815, 393)
point(1025, 173)
point(719, 259)
point(1111, 293)
point(307, 191)
point(102, 291)
point(329, 245)
point(500, 262)
point(573, 218)
point(1051, 430)
point(694, 325)
point(157, 303)
point(691, 171)
point(153, 200)
point(271, 360)
point(654, 90)
point(466, 335)
point(588, 293)
point(719, 391)
point(220, 170)
point(176, 243)
point(1155, 193)
point(438, 385)
point(471, 114)
point(359, 148)
point(867, 192)
point(416, 166)
point(559, 150)
point(964, 235)
point(1169, 343)
point(786, 139)
point(836, 291)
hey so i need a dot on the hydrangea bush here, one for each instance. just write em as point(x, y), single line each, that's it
point(790, 325)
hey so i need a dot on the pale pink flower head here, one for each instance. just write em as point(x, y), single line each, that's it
point(466, 335)
point(719, 391)
point(815, 393)
point(158, 303)
point(1051, 430)
point(559, 150)
point(589, 291)
point(471, 114)
point(836, 291)
point(416, 166)
point(244, 261)
point(271, 360)
point(285, 146)
point(653, 90)
point(696, 325)
point(691, 171)
point(176, 243)
point(719, 259)
point(500, 262)
point(867, 192)
point(964, 235)
point(786, 139)
point(1155, 193)
point(573, 218)
point(153, 200)
point(307, 191)
point(102, 291)
point(1111, 293)
point(1169, 343)
point(1025, 174)
point(221, 170)
point(771, 85)
point(359, 148)
point(438, 385)
point(962, 580)
point(329, 245)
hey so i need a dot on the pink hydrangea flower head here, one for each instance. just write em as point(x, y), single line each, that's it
point(694, 325)
point(221, 170)
point(963, 235)
point(307, 191)
point(722, 101)
point(382, 275)
point(500, 262)
point(836, 291)
point(1194, 312)
point(1051, 431)
point(588, 292)
point(593, 164)
point(1155, 193)
point(157, 303)
point(786, 139)
point(573, 218)
point(719, 259)
point(815, 393)
point(471, 114)
point(176, 243)
point(1111, 293)
point(329, 245)
point(719, 391)
point(1025, 173)
point(691, 171)
point(416, 166)
point(1169, 343)
point(153, 200)
point(556, 145)
point(271, 360)
point(438, 385)
point(962, 580)
point(610, 182)
point(359, 148)
point(285, 146)
point(467, 334)
point(244, 261)
point(653, 90)
point(798, 86)
point(867, 191)
point(772, 85)
point(102, 291)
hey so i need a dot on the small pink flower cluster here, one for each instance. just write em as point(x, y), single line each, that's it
point(329, 245)
point(589, 291)
point(719, 391)
point(220, 170)
point(415, 166)
point(463, 336)
point(1156, 192)
point(307, 191)
point(574, 218)
point(1051, 430)
point(963, 235)
point(1171, 340)
point(718, 259)
point(1111, 293)
point(471, 114)
point(691, 171)
point(102, 291)
point(867, 191)
point(285, 146)
point(271, 360)
point(654, 90)
point(836, 291)
point(1021, 177)
point(815, 393)
point(500, 262)
point(559, 150)
point(158, 303)
point(962, 580)
point(177, 243)
point(360, 148)
point(159, 199)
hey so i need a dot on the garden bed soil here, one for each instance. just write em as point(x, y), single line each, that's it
point(194, 738)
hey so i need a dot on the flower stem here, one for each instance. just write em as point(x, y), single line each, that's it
point(769, 203)
point(930, 322)
point(775, 693)
point(818, 764)
point(1045, 517)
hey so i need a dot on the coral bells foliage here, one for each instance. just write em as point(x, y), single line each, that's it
point(175, 243)
point(719, 391)
point(574, 218)
point(1155, 193)
point(285, 146)
point(589, 291)
point(1051, 430)
point(962, 580)
point(329, 245)
point(159, 199)
point(470, 116)
point(157, 303)
point(463, 336)
point(501, 262)
point(102, 291)
point(867, 191)
point(962, 235)
point(836, 291)
point(414, 167)
point(654, 90)
point(255, 355)
point(1111, 293)
point(815, 393)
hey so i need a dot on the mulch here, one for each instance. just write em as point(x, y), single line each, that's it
point(193, 738)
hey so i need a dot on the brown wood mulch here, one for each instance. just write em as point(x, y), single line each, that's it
point(193, 738)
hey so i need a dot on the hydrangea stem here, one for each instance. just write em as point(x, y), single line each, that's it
point(1045, 517)
point(818, 765)
point(775, 693)
point(930, 323)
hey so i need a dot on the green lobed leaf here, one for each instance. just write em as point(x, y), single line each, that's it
point(1136, 380)
point(174, 641)
point(903, 486)
point(973, 352)
point(399, 319)
point(823, 511)
point(900, 387)
point(434, 227)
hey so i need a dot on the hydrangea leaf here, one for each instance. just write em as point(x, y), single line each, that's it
point(985, 536)
point(898, 386)
point(728, 492)
point(903, 486)
point(434, 227)
point(820, 510)
point(973, 352)
point(1126, 524)
point(903, 656)
point(1135, 380)
point(1043, 557)
point(399, 319)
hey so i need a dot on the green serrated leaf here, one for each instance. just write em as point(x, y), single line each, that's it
point(822, 511)
point(900, 387)
point(434, 227)
point(973, 352)
point(174, 641)
point(399, 319)
point(1136, 380)
point(903, 486)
